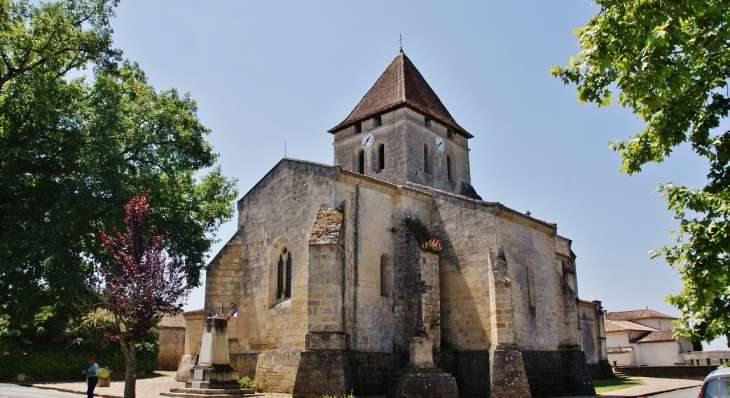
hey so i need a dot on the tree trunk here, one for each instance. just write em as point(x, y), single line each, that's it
point(130, 364)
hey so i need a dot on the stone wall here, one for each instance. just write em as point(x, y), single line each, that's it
point(245, 364)
point(471, 370)
point(172, 347)
point(372, 371)
point(544, 306)
point(193, 331)
point(279, 212)
point(668, 372)
point(718, 357)
point(551, 373)
point(404, 132)
point(467, 231)
point(369, 208)
point(278, 369)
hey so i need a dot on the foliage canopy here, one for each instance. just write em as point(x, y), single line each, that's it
point(81, 132)
point(669, 60)
point(141, 284)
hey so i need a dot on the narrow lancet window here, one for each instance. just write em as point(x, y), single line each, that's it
point(283, 275)
point(361, 162)
point(450, 168)
point(386, 276)
point(426, 160)
point(381, 157)
point(287, 287)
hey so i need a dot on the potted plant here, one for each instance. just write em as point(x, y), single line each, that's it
point(104, 379)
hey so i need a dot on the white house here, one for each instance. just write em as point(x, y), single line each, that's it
point(643, 337)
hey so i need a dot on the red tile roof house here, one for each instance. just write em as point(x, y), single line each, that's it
point(643, 337)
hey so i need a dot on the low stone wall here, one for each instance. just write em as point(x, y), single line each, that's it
point(545, 373)
point(278, 369)
point(471, 370)
point(600, 370)
point(551, 373)
point(340, 372)
point(245, 364)
point(172, 346)
point(372, 371)
point(667, 372)
point(707, 357)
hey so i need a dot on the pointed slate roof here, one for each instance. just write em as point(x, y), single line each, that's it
point(401, 84)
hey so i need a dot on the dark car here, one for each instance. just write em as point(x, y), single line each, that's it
point(716, 385)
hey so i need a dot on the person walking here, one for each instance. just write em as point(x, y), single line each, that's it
point(92, 377)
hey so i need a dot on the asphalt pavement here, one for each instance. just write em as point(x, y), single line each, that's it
point(16, 391)
point(685, 393)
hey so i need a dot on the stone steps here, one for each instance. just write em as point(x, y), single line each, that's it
point(619, 375)
point(210, 393)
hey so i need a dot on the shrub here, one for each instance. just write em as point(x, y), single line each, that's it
point(61, 362)
point(104, 372)
point(246, 382)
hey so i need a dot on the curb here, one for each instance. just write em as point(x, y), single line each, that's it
point(69, 390)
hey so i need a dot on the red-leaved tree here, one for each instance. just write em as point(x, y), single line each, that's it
point(141, 284)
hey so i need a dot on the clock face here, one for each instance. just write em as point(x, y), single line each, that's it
point(367, 140)
point(440, 144)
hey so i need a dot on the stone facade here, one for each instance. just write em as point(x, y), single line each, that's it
point(591, 321)
point(171, 341)
point(324, 265)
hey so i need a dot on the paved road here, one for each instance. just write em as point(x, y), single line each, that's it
point(685, 393)
point(16, 391)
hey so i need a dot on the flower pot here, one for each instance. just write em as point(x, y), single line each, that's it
point(104, 382)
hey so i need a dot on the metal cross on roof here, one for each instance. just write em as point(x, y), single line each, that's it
point(401, 41)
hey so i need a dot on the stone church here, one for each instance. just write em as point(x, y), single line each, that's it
point(324, 264)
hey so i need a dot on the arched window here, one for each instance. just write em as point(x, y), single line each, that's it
point(283, 275)
point(381, 157)
point(450, 168)
point(386, 276)
point(426, 160)
point(361, 162)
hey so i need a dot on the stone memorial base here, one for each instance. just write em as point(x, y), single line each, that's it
point(213, 381)
point(421, 378)
point(187, 363)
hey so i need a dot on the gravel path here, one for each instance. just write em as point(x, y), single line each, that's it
point(148, 387)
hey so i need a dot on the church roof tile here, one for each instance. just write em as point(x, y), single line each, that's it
point(401, 84)
point(626, 326)
point(658, 337)
point(172, 321)
point(636, 314)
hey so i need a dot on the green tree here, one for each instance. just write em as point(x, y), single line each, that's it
point(81, 132)
point(669, 61)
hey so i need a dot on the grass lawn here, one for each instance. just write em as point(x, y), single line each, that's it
point(606, 385)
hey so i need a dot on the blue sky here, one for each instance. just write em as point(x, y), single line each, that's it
point(267, 72)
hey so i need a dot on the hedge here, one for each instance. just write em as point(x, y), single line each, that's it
point(69, 362)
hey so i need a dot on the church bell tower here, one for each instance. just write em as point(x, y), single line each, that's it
point(400, 132)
